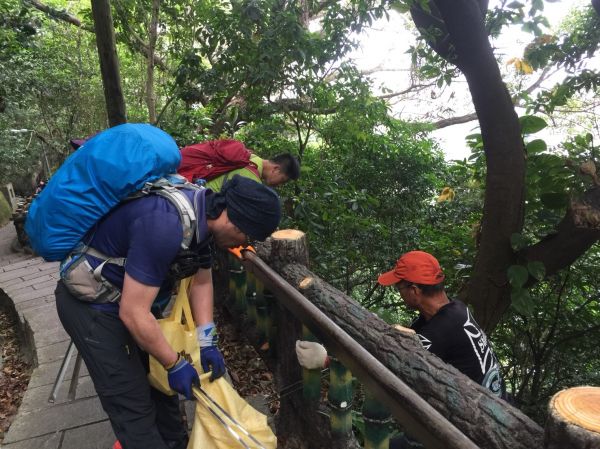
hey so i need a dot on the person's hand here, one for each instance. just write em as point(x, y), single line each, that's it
point(182, 376)
point(212, 360)
point(311, 355)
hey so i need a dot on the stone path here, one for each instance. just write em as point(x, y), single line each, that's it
point(29, 283)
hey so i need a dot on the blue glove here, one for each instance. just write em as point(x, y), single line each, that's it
point(182, 376)
point(212, 360)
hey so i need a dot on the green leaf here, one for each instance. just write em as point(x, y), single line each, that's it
point(518, 241)
point(554, 200)
point(517, 275)
point(521, 301)
point(530, 124)
point(536, 146)
point(536, 269)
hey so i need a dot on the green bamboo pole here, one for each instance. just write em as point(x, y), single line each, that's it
point(262, 315)
point(377, 420)
point(240, 291)
point(340, 398)
point(271, 322)
point(311, 378)
point(252, 286)
point(234, 266)
point(237, 284)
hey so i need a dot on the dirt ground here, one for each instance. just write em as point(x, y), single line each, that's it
point(14, 372)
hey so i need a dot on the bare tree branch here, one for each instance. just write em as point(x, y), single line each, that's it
point(61, 15)
point(454, 121)
point(470, 117)
point(412, 88)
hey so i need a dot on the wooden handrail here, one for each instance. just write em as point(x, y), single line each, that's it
point(425, 423)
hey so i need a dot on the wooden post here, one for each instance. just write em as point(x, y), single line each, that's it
point(300, 423)
point(377, 420)
point(574, 419)
point(109, 62)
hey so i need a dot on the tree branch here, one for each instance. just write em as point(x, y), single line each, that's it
point(575, 234)
point(454, 120)
point(472, 116)
point(413, 87)
point(61, 15)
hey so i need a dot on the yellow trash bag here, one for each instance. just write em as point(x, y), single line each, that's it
point(181, 337)
point(212, 432)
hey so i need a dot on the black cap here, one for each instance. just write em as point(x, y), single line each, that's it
point(252, 207)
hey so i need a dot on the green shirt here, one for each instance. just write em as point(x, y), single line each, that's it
point(216, 184)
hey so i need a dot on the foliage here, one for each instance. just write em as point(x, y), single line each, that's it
point(45, 101)
point(579, 42)
point(551, 346)
point(363, 196)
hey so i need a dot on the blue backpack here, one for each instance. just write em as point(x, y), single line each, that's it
point(104, 171)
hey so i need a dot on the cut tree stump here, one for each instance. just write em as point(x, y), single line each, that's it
point(574, 419)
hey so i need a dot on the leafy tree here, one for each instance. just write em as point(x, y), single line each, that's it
point(457, 32)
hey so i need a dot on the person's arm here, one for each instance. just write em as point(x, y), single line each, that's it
point(201, 297)
point(134, 311)
point(201, 300)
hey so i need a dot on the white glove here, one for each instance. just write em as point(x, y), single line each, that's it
point(311, 355)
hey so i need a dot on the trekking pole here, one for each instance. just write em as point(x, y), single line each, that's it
point(221, 420)
point(61, 372)
point(229, 417)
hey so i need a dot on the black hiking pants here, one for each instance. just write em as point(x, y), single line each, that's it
point(141, 417)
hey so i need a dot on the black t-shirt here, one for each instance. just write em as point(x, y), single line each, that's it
point(455, 337)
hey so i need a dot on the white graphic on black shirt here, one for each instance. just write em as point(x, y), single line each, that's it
point(425, 342)
point(487, 359)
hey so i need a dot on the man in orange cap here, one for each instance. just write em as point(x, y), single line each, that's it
point(445, 327)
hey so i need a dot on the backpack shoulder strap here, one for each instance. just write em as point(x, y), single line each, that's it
point(185, 210)
point(170, 189)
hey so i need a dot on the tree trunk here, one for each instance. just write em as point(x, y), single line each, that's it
point(488, 421)
point(503, 209)
point(574, 419)
point(109, 62)
point(153, 35)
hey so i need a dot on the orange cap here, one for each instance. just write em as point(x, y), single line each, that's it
point(418, 267)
